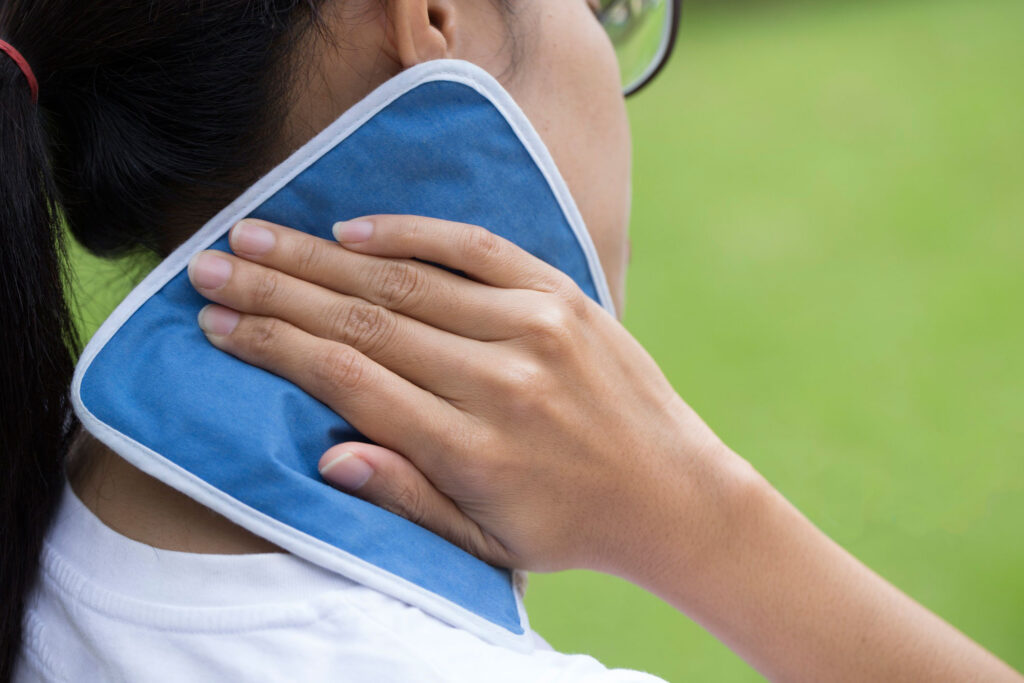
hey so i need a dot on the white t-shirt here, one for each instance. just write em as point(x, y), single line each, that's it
point(110, 609)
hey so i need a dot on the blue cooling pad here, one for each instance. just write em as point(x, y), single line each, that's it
point(442, 139)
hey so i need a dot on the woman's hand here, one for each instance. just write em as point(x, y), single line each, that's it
point(516, 417)
point(521, 421)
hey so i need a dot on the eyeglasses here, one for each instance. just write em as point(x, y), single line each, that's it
point(643, 33)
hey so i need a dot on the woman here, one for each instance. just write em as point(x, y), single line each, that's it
point(143, 105)
point(143, 119)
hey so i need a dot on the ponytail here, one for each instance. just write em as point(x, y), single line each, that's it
point(36, 345)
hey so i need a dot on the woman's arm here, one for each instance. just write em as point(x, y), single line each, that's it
point(536, 432)
point(789, 600)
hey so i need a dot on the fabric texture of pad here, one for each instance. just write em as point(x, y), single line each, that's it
point(442, 139)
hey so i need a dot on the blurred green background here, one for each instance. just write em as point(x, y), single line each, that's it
point(828, 263)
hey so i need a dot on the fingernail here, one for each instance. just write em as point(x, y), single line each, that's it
point(209, 271)
point(352, 231)
point(217, 320)
point(249, 238)
point(348, 471)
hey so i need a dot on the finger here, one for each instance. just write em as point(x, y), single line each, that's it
point(431, 358)
point(475, 251)
point(366, 394)
point(386, 479)
point(419, 290)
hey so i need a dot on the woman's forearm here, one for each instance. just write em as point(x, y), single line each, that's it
point(795, 605)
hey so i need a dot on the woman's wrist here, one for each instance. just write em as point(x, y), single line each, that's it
point(691, 498)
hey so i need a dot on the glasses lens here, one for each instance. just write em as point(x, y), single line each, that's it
point(642, 32)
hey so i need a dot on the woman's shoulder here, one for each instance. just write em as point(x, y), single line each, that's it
point(108, 607)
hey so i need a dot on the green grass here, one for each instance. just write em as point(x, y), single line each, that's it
point(828, 263)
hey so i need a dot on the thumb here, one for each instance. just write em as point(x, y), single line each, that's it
point(388, 480)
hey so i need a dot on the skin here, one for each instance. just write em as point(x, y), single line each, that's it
point(494, 395)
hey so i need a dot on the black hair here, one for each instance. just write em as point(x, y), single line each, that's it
point(151, 114)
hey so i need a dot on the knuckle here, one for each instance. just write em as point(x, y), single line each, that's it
point(262, 336)
point(551, 325)
point(520, 381)
point(397, 282)
point(265, 289)
point(566, 289)
point(307, 255)
point(339, 366)
point(550, 318)
point(414, 229)
point(405, 499)
point(573, 298)
point(366, 326)
point(481, 244)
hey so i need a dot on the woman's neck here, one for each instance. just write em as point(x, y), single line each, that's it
point(145, 509)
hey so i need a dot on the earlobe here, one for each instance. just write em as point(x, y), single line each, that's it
point(421, 30)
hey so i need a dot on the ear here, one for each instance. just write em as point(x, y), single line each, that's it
point(421, 30)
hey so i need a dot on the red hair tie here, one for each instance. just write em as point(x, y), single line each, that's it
point(22, 63)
